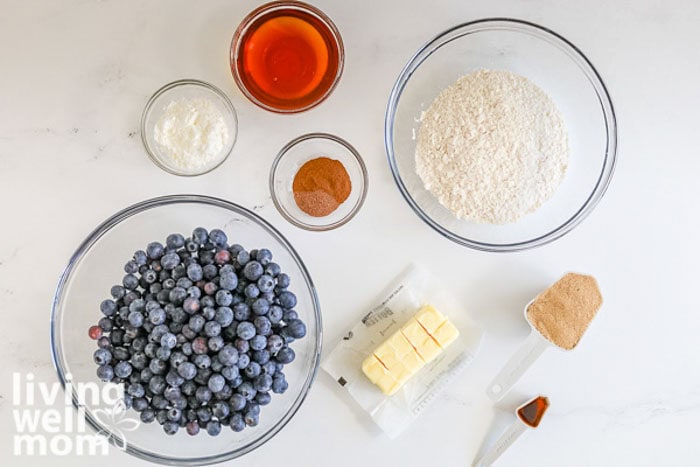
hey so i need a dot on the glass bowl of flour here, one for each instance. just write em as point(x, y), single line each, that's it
point(189, 127)
point(501, 135)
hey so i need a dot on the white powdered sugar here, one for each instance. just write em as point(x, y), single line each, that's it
point(192, 133)
point(492, 147)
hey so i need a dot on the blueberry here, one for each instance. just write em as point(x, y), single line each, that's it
point(218, 238)
point(246, 330)
point(139, 361)
point(263, 398)
point(237, 402)
point(105, 372)
point(241, 345)
point(106, 324)
point(196, 323)
point(258, 342)
point(253, 270)
point(214, 427)
point(224, 297)
point(191, 305)
point(275, 314)
point(264, 256)
point(216, 382)
point(241, 311)
point(200, 235)
point(154, 250)
point(174, 379)
point(108, 307)
point(104, 342)
point(202, 361)
point(247, 390)
point(237, 423)
point(224, 316)
point(285, 355)
point(203, 394)
point(261, 306)
point(266, 283)
point(210, 288)
point(131, 267)
point(150, 276)
point(122, 369)
point(168, 340)
point(185, 283)
point(279, 384)
point(242, 258)
point(175, 241)
point(148, 415)
point(273, 269)
point(228, 280)
point(220, 409)
point(215, 343)
point(139, 404)
point(243, 360)
point(251, 419)
point(117, 292)
point(287, 300)
point(283, 280)
point(228, 355)
point(120, 353)
point(252, 370)
point(230, 372)
point(170, 428)
point(192, 428)
point(263, 383)
point(204, 413)
point(140, 257)
point(296, 328)
point(130, 282)
point(170, 261)
point(163, 353)
point(209, 272)
point(199, 345)
point(136, 319)
point(263, 325)
point(261, 356)
point(212, 329)
point(195, 272)
point(289, 315)
point(177, 295)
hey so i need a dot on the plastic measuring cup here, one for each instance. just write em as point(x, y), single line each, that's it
point(526, 355)
point(529, 416)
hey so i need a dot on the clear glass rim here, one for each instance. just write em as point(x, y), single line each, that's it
point(168, 87)
point(263, 10)
point(102, 229)
point(363, 189)
point(525, 27)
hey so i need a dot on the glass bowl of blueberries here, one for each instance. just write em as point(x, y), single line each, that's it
point(186, 330)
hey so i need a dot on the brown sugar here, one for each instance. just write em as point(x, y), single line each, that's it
point(563, 312)
point(320, 186)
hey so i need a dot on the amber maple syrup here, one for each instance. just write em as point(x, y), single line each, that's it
point(288, 58)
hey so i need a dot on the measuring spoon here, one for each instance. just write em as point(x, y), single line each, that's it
point(526, 355)
point(529, 416)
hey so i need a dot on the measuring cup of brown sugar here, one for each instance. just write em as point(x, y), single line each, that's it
point(318, 181)
point(558, 317)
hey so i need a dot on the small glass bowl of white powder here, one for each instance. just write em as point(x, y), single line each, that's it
point(189, 127)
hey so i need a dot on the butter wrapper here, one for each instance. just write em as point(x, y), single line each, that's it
point(413, 289)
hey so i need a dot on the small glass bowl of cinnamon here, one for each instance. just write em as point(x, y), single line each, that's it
point(318, 181)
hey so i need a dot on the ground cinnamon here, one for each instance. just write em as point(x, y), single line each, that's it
point(320, 186)
point(563, 312)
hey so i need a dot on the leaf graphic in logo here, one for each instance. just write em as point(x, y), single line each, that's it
point(115, 423)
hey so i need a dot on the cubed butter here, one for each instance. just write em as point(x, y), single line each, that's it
point(430, 318)
point(425, 346)
point(406, 351)
point(446, 334)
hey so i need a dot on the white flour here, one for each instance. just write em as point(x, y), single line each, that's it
point(193, 133)
point(492, 147)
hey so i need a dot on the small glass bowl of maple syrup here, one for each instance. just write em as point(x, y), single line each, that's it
point(287, 56)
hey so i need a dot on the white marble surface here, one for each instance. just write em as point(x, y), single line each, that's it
point(75, 74)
